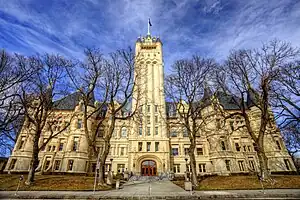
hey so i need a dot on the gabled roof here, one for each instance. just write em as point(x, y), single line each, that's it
point(69, 102)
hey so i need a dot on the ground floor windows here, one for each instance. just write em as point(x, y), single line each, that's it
point(202, 168)
point(148, 146)
point(56, 164)
point(70, 165)
point(176, 168)
point(241, 165)
point(227, 163)
point(156, 146)
point(251, 164)
point(12, 164)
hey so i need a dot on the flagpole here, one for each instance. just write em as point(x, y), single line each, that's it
point(148, 27)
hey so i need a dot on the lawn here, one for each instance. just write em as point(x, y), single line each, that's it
point(244, 182)
point(50, 182)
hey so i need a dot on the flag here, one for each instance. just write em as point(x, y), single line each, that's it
point(150, 22)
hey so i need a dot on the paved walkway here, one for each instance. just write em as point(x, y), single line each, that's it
point(154, 190)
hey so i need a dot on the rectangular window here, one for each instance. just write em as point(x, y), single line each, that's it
point(148, 146)
point(140, 146)
point(124, 132)
point(156, 130)
point(61, 146)
point(22, 142)
point(148, 131)
point(94, 165)
point(156, 119)
point(156, 108)
point(251, 164)
point(53, 148)
point(186, 151)
point(287, 164)
point(202, 168)
point(176, 168)
point(70, 165)
point(237, 147)
point(148, 120)
point(56, 164)
point(47, 164)
point(173, 133)
point(199, 151)
point(241, 165)
point(122, 151)
point(100, 132)
point(175, 151)
point(107, 167)
point(141, 131)
point(278, 145)
point(148, 108)
point(121, 168)
point(231, 125)
point(249, 148)
point(156, 146)
point(244, 147)
point(75, 144)
point(227, 162)
point(79, 123)
point(12, 164)
point(49, 148)
point(223, 146)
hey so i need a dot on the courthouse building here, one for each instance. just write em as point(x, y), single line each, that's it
point(151, 144)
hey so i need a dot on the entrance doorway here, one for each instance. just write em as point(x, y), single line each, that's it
point(148, 168)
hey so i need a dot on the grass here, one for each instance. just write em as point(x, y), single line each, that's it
point(244, 182)
point(50, 182)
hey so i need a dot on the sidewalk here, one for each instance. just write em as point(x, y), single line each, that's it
point(154, 190)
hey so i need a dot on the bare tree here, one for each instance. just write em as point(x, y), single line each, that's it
point(12, 74)
point(185, 88)
point(119, 80)
point(37, 98)
point(249, 75)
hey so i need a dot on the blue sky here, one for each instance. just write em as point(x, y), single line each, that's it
point(210, 28)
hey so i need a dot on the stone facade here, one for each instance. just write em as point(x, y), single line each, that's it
point(151, 143)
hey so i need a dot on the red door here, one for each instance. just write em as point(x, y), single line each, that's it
point(148, 168)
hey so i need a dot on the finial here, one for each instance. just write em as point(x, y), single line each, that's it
point(149, 24)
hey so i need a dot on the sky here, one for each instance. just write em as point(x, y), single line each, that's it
point(208, 28)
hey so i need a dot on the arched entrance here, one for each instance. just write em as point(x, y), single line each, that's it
point(148, 168)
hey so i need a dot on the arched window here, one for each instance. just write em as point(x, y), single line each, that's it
point(124, 132)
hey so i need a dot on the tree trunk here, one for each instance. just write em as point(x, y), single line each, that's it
point(193, 163)
point(263, 163)
point(102, 162)
point(34, 160)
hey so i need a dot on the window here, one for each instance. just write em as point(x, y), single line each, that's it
point(202, 168)
point(185, 133)
point(241, 165)
point(231, 125)
point(223, 146)
point(22, 142)
point(175, 151)
point(156, 119)
point(156, 146)
point(94, 165)
point(79, 123)
point(218, 124)
point(176, 168)
point(227, 163)
point(148, 131)
point(173, 133)
point(61, 146)
point(148, 108)
point(244, 147)
point(249, 148)
point(186, 151)
point(278, 145)
point(53, 148)
point(140, 146)
point(12, 164)
point(100, 132)
point(199, 151)
point(70, 165)
point(47, 164)
point(121, 168)
point(156, 130)
point(124, 132)
point(56, 164)
point(148, 120)
point(75, 144)
point(237, 147)
point(156, 108)
point(107, 167)
point(287, 164)
point(141, 131)
point(251, 164)
point(122, 151)
point(49, 148)
point(148, 146)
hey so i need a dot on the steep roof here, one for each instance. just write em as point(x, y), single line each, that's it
point(69, 102)
point(229, 102)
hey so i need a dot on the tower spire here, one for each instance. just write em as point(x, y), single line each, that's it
point(149, 24)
